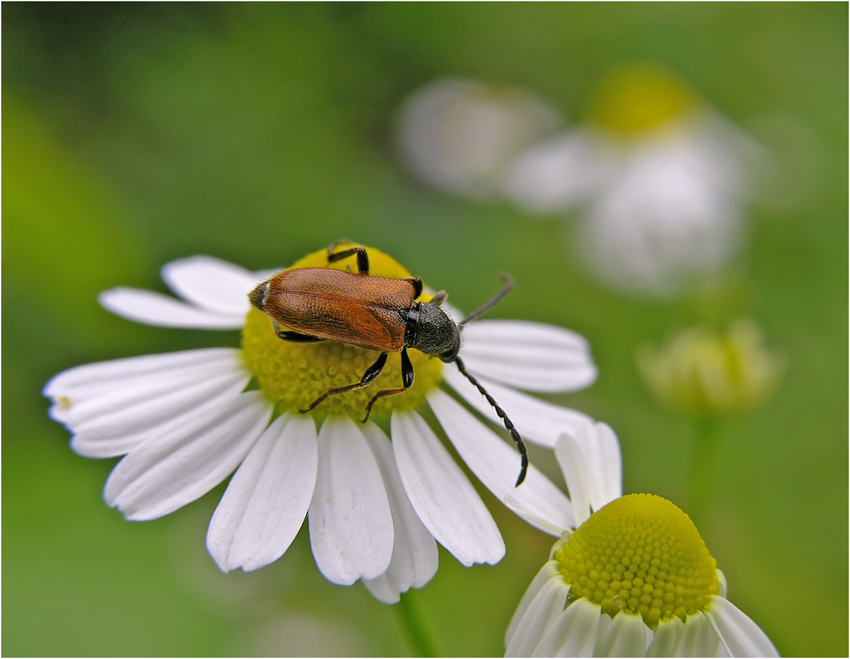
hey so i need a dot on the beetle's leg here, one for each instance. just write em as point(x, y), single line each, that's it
point(297, 337)
point(337, 243)
point(294, 337)
point(406, 379)
point(362, 258)
point(417, 286)
point(371, 373)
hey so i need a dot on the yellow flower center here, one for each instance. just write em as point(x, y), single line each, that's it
point(641, 554)
point(639, 98)
point(293, 375)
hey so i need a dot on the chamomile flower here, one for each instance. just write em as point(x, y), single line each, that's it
point(658, 177)
point(376, 508)
point(632, 579)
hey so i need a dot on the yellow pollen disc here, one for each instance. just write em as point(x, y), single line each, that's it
point(639, 98)
point(640, 553)
point(293, 375)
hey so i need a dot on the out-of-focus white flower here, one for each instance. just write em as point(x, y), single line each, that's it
point(658, 177)
point(459, 135)
point(185, 421)
point(630, 576)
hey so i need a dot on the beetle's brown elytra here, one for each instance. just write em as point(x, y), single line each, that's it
point(376, 313)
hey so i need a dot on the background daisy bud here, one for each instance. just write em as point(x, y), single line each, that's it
point(706, 373)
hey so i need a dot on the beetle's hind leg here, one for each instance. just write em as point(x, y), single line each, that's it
point(406, 378)
point(362, 256)
point(294, 337)
point(371, 373)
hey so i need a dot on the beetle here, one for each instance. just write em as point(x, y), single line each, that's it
point(377, 313)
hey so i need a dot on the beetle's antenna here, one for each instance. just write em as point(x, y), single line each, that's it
point(504, 417)
point(509, 284)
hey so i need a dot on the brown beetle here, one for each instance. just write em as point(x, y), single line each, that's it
point(321, 304)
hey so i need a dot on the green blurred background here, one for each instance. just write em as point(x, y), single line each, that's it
point(134, 134)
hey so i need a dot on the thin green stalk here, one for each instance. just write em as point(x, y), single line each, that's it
point(703, 469)
point(417, 633)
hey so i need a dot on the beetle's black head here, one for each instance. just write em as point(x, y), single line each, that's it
point(430, 330)
point(258, 296)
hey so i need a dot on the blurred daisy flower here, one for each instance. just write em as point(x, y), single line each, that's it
point(703, 373)
point(459, 135)
point(633, 579)
point(185, 421)
point(659, 177)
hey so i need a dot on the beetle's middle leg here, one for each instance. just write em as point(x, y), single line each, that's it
point(406, 380)
point(371, 373)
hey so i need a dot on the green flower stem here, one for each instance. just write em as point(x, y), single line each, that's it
point(417, 633)
point(702, 475)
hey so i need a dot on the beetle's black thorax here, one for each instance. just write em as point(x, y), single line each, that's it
point(430, 330)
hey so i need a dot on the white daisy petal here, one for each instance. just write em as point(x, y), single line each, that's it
point(559, 173)
point(698, 639)
point(624, 637)
point(573, 634)
point(351, 525)
point(666, 638)
point(152, 418)
point(590, 459)
point(497, 465)
point(109, 405)
point(542, 612)
point(550, 570)
point(415, 559)
point(133, 405)
point(156, 309)
point(609, 467)
point(268, 497)
point(104, 376)
point(721, 583)
point(532, 517)
point(441, 494)
point(739, 633)
point(573, 462)
point(527, 355)
point(170, 470)
point(537, 421)
point(211, 284)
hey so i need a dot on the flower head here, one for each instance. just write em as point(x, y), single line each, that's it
point(705, 373)
point(658, 178)
point(376, 508)
point(630, 576)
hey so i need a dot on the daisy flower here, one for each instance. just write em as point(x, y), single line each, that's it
point(376, 508)
point(659, 179)
point(631, 579)
point(459, 135)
